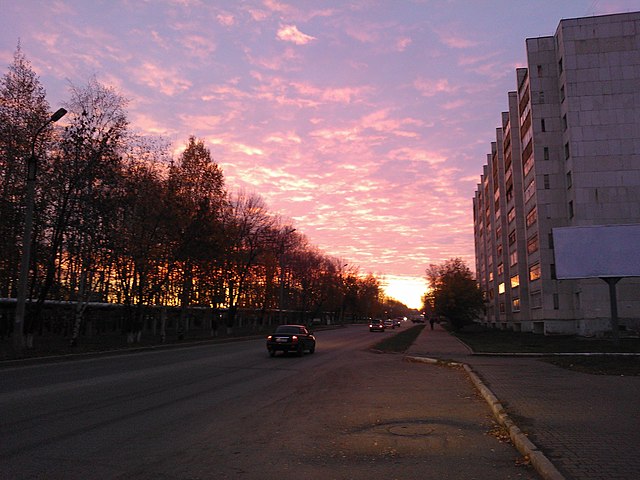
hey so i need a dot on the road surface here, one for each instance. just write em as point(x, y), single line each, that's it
point(229, 411)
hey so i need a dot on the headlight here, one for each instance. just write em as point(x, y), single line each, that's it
point(269, 337)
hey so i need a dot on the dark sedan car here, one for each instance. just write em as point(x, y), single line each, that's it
point(377, 326)
point(291, 338)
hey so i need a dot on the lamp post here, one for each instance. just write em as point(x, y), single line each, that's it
point(21, 300)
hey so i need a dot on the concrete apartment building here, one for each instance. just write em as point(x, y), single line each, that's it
point(566, 154)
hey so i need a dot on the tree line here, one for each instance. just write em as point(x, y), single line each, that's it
point(119, 219)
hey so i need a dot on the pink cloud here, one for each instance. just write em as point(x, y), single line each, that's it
point(455, 41)
point(290, 33)
point(198, 46)
point(381, 122)
point(403, 43)
point(417, 155)
point(226, 19)
point(166, 80)
point(454, 104)
point(429, 88)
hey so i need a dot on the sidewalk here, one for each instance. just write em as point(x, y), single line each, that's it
point(586, 426)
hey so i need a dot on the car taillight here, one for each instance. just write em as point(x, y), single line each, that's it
point(294, 338)
point(269, 337)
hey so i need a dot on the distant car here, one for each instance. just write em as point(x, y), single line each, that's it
point(388, 323)
point(291, 338)
point(376, 326)
point(397, 322)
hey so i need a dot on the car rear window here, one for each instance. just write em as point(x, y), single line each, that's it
point(287, 329)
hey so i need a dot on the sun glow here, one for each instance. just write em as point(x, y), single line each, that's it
point(408, 290)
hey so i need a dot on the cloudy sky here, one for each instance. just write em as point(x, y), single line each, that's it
point(365, 122)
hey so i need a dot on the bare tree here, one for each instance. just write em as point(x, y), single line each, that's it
point(141, 247)
point(84, 176)
point(248, 233)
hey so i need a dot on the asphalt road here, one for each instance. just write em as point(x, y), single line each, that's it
point(229, 411)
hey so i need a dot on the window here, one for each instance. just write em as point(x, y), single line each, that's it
point(500, 268)
point(532, 217)
point(547, 184)
point(528, 165)
point(526, 153)
point(501, 288)
point(533, 244)
point(524, 100)
point(562, 94)
point(499, 250)
point(511, 215)
point(542, 125)
point(530, 190)
point(552, 268)
point(569, 180)
point(536, 299)
point(551, 240)
point(567, 153)
point(515, 281)
point(564, 122)
point(546, 153)
point(501, 307)
point(560, 67)
point(513, 258)
point(571, 209)
point(556, 302)
point(515, 303)
point(512, 238)
point(534, 272)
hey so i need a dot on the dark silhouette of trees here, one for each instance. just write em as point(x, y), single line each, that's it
point(139, 262)
point(196, 198)
point(23, 109)
point(454, 294)
point(118, 220)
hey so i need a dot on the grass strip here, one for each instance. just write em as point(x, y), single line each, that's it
point(504, 341)
point(604, 360)
point(399, 342)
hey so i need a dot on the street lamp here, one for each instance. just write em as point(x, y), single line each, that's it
point(21, 300)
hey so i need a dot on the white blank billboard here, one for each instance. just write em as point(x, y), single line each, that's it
point(597, 251)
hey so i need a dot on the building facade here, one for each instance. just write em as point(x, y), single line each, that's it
point(566, 154)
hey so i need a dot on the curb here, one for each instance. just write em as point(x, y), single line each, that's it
point(526, 447)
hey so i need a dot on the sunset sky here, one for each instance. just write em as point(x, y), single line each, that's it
point(364, 123)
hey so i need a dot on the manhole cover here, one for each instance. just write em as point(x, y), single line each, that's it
point(412, 430)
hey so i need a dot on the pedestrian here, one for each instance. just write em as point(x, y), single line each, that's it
point(431, 322)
